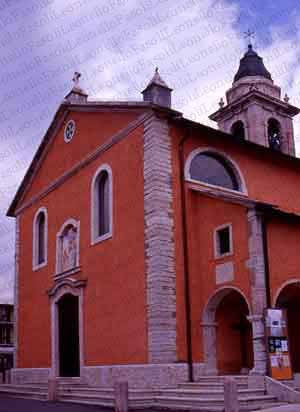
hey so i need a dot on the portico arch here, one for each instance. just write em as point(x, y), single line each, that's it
point(227, 340)
point(66, 298)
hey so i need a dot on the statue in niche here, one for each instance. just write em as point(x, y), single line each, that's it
point(69, 249)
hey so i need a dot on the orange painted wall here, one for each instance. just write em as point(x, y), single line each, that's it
point(114, 300)
point(205, 215)
point(92, 130)
point(284, 257)
point(270, 178)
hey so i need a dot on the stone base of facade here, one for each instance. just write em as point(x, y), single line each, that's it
point(30, 375)
point(199, 369)
point(137, 376)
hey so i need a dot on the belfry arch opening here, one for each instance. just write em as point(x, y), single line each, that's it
point(238, 130)
point(274, 134)
point(289, 299)
point(227, 334)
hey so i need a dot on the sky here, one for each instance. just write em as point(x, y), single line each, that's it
point(116, 45)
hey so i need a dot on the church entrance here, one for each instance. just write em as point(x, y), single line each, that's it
point(234, 335)
point(227, 334)
point(68, 332)
point(289, 299)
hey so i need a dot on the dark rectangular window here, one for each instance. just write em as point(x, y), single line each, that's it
point(5, 335)
point(5, 313)
point(223, 241)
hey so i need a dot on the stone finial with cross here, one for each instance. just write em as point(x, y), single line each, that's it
point(249, 35)
point(77, 94)
point(76, 78)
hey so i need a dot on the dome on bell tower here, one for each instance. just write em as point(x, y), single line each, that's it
point(251, 64)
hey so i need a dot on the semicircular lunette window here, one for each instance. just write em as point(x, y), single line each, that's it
point(212, 169)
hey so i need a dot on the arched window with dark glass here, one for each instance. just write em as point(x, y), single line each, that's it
point(274, 134)
point(102, 204)
point(238, 129)
point(212, 169)
point(40, 238)
point(41, 221)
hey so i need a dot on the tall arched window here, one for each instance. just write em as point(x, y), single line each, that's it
point(213, 169)
point(40, 230)
point(238, 129)
point(274, 134)
point(101, 204)
point(41, 238)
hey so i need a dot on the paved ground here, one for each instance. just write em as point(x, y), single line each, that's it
point(28, 405)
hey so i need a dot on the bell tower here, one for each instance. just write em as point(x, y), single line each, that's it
point(255, 110)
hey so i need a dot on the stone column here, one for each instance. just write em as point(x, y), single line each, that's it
point(258, 291)
point(121, 397)
point(231, 395)
point(159, 242)
point(209, 331)
point(259, 345)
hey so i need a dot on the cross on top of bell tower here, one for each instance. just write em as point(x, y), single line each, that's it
point(249, 35)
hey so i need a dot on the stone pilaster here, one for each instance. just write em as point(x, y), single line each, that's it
point(209, 331)
point(258, 291)
point(159, 242)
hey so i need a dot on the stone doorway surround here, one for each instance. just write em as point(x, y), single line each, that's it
point(75, 288)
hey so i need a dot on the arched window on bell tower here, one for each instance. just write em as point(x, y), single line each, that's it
point(238, 130)
point(274, 134)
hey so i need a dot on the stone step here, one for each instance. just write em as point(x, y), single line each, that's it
point(22, 388)
point(198, 393)
point(208, 385)
point(106, 400)
point(167, 401)
point(26, 394)
point(220, 378)
point(216, 393)
point(107, 391)
point(214, 404)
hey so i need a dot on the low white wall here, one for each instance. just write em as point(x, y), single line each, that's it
point(282, 392)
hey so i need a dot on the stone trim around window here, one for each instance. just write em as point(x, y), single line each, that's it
point(35, 264)
point(217, 254)
point(94, 205)
point(229, 161)
point(58, 262)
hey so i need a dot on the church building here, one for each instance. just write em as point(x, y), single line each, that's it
point(149, 246)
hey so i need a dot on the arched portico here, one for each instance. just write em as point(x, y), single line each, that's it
point(66, 300)
point(288, 297)
point(227, 334)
